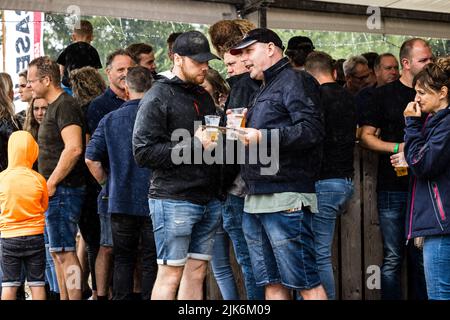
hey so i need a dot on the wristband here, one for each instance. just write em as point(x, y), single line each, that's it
point(397, 145)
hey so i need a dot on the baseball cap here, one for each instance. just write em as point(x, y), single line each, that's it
point(299, 43)
point(193, 44)
point(257, 35)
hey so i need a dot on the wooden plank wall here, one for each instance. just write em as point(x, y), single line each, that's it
point(357, 243)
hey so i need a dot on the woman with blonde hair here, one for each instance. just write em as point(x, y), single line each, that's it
point(8, 122)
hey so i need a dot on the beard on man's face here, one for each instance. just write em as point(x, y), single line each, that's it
point(192, 78)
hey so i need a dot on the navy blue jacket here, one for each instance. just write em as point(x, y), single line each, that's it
point(127, 184)
point(427, 150)
point(289, 103)
point(101, 106)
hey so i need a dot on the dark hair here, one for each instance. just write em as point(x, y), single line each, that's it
point(319, 61)
point(85, 29)
point(139, 79)
point(405, 49)
point(339, 67)
point(219, 85)
point(23, 74)
point(46, 67)
point(377, 61)
point(435, 75)
point(31, 125)
point(370, 57)
point(112, 55)
point(172, 37)
point(137, 49)
point(299, 55)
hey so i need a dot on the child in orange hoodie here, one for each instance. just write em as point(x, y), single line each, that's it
point(23, 202)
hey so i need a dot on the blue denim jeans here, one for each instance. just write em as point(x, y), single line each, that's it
point(61, 218)
point(392, 214)
point(436, 256)
point(50, 270)
point(23, 251)
point(184, 230)
point(232, 224)
point(281, 246)
point(332, 195)
point(106, 238)
point(221, 266)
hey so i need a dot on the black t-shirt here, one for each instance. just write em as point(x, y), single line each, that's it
point(340, 127)
point(385, 111)
point(78, 55)
point(64, 111)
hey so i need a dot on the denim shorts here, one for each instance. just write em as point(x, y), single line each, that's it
point(281, 246)
point(19, 252)
point(184, 230)
point(106, 239)
point(61, 218)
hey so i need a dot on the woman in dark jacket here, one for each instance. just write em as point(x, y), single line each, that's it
point(427, 151)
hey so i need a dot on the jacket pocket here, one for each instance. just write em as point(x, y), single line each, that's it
point(437, 203)
point(438, 199)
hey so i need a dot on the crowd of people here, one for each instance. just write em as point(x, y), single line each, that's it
point(94, 202)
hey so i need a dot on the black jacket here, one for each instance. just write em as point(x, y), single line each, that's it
point(427, 150)
point(289, 104)
point(242, 90)
point(7, 127)
point(169, 105)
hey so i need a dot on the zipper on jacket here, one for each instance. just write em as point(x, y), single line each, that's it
point(196, 108)
point(434, 205)
point(437, 196)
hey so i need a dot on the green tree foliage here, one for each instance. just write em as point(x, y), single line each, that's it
point(113, 33)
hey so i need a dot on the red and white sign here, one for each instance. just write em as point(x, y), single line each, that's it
point(23, 41)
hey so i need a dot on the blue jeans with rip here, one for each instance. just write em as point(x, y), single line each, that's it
point(392, 215)
point(332, 195)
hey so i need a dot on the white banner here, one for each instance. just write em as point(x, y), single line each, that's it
point(23, 41)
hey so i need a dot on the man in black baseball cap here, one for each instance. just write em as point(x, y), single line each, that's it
point(285, 111)
point(183, 195)
point(193, 44)
point(259, 49)
point(257, 35)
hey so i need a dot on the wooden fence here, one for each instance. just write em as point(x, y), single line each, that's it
point(357, 248)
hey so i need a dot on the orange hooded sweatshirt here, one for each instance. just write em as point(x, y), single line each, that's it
point(23, 191)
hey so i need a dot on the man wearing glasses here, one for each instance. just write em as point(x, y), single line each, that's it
point(357, 73)
point(61, 143)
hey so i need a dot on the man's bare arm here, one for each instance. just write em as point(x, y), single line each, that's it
point(370, 140)
point(73, 148)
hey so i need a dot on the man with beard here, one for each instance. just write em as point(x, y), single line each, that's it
point(117, 64)
point(184, 204)
point(384, 112)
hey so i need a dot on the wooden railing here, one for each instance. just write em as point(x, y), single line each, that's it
point(357, 246)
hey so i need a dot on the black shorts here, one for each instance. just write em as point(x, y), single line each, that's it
point(26, 251)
